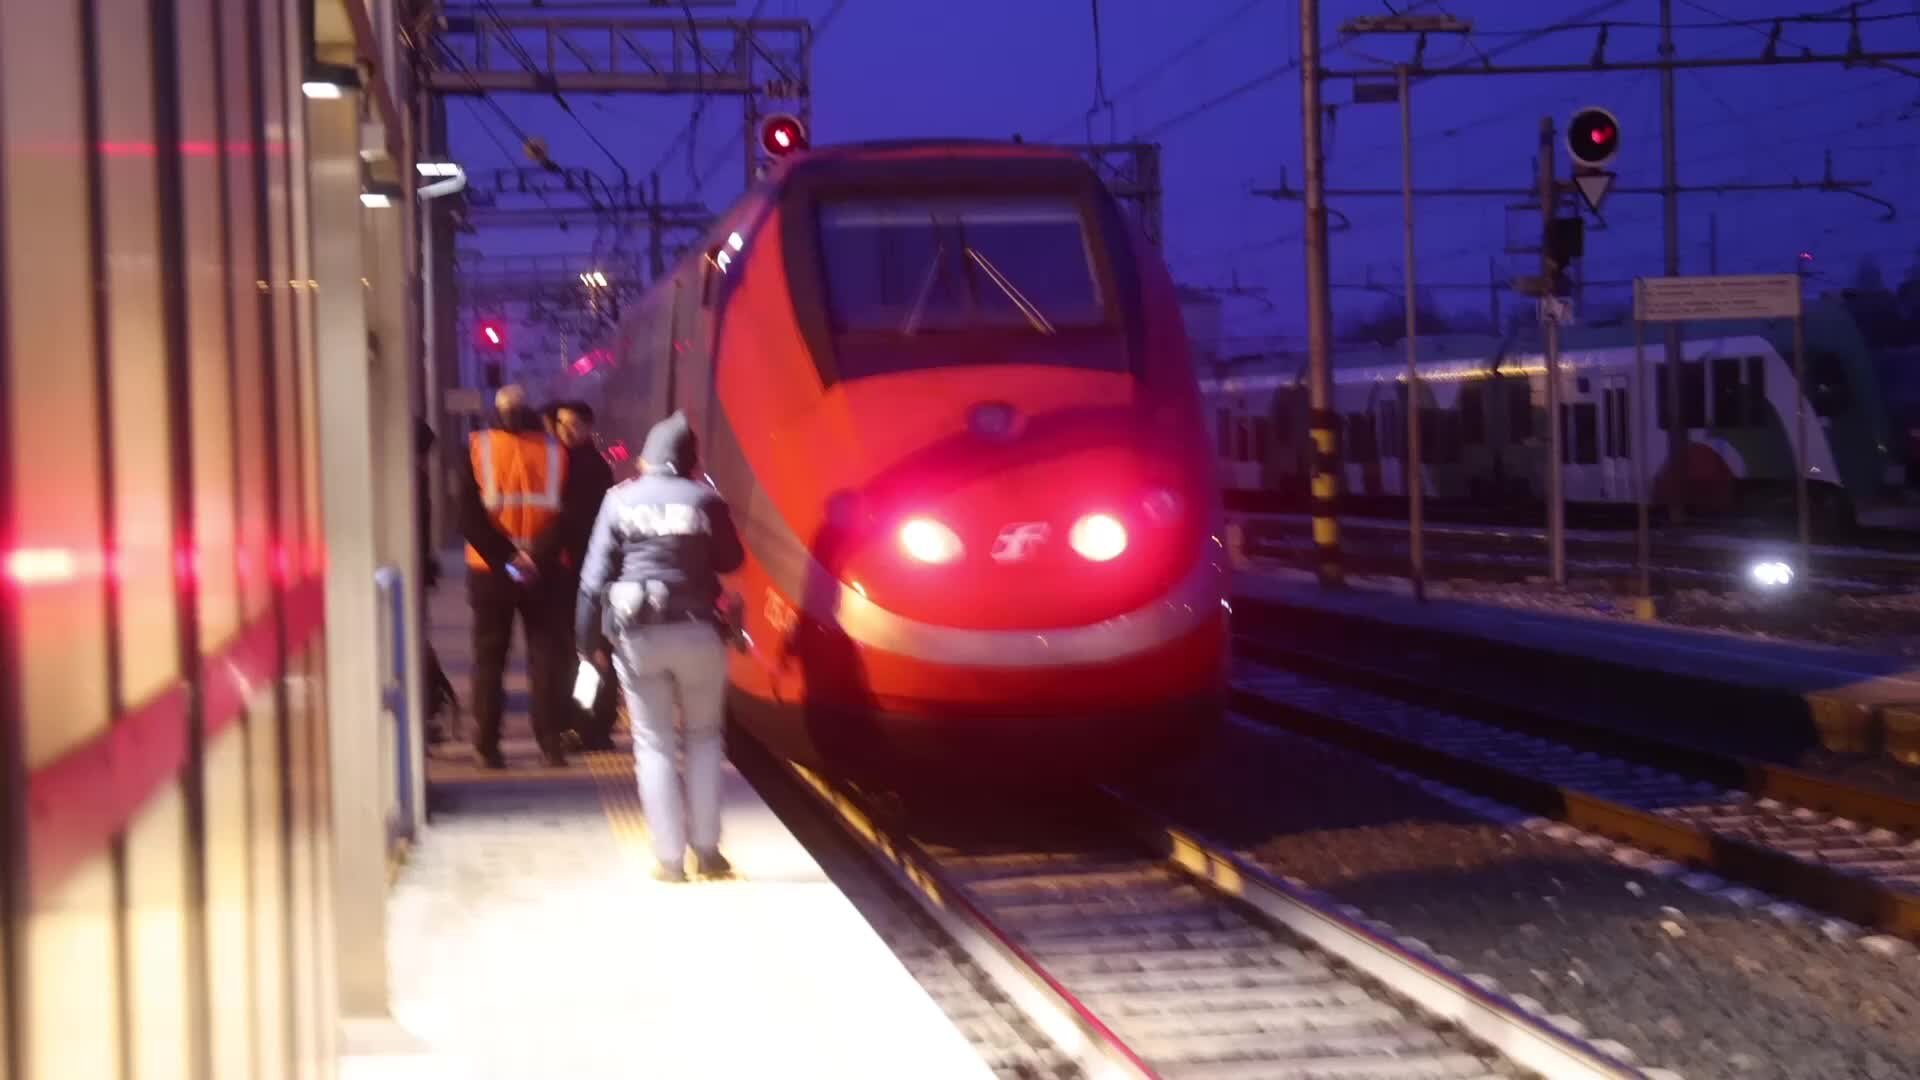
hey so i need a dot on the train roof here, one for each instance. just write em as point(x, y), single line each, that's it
point(1829, 327)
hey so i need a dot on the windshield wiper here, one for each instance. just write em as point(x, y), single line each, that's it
point(1027, 308)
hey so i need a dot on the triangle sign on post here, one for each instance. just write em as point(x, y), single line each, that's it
point(1593, 188)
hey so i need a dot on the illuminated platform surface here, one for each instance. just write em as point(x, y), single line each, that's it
point(527, 940)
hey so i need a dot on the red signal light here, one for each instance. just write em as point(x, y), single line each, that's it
point(782, 135)
point(491, 335)
point(1593, 137)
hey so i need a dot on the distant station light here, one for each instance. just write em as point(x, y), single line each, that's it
point(491, 335)
point(1593, 137)
point(783, 134)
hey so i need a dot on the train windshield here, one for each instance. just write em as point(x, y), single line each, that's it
point(913, 266)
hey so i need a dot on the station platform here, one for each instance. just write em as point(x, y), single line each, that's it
point(526, 939)
point(1787, 696)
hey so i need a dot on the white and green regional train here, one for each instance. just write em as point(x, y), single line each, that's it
point(1484, 425)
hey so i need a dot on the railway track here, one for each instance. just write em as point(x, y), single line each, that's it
point(1141, 950)
point(1829, 846)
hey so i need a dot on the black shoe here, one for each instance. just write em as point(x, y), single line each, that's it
point(489, 759)
point(712, 864)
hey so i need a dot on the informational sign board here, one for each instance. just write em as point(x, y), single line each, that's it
point(1703, 299)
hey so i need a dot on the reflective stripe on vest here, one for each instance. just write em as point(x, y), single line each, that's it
point(520, 476)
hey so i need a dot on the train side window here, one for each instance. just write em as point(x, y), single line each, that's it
point(1693, 394)
point(1262, 434)
point(1473, 414)
point(1223, 421)
point(1283, 419)
point(1586, 434)
point(1619, 423)
point(1240, 440)
point(1756, 388)
point(1362, 448)
point(1519, 411)
point(1728, 399)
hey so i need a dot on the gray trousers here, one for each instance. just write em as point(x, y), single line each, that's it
point(659, 667)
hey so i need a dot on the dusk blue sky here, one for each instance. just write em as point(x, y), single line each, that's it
point(892, 68)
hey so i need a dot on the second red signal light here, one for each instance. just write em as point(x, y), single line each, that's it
point(782, 134)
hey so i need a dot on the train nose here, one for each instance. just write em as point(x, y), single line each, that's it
point(1060, 543)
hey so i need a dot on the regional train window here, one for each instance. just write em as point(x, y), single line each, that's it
point(1693, 395)
point(925, 265)
point(1586, 434)
point(1728, 401)
point(1757, 409)
point(1361, 446)
point(1473, 414)
point(1519, 411)
point(1262, 437)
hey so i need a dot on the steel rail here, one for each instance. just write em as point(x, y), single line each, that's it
point(1442, 994)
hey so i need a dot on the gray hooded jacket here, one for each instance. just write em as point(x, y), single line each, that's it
point(663, 527)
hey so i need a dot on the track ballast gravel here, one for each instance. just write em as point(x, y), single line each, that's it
point(1687, 981)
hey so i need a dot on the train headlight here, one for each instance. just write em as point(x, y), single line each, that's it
point(1098, 537)
point(929, 541)
point(1771, 574)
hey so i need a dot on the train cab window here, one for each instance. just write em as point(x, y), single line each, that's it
point(912, 266)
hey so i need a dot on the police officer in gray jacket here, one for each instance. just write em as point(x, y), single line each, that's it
point(649, 587)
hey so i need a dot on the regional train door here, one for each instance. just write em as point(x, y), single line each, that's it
point(1616, 445)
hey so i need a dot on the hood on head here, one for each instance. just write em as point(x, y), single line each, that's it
point(670, 444)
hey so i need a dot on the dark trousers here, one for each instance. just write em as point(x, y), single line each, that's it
point(496, 598)
point(595, 725)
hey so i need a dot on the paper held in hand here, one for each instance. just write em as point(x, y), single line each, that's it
point(586, 683)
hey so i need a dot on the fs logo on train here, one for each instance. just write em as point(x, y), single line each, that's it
point(1019, 540)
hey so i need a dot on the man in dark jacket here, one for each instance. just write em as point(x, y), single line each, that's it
point(572, 423)
point(650, 586)
point(518, 505)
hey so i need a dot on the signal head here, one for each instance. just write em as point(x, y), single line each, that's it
point(1593, 137)
point(783, 134)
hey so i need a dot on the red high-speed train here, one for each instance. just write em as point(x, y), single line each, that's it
point(946, 389)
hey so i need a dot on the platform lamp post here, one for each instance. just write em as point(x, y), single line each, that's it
point(1422, 25)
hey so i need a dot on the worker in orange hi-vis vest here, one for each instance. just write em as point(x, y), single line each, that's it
point(519, 506)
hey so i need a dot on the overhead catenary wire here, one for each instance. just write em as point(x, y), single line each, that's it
point(1337, 46)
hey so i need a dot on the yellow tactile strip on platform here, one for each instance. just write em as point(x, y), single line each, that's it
point(613, 779)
